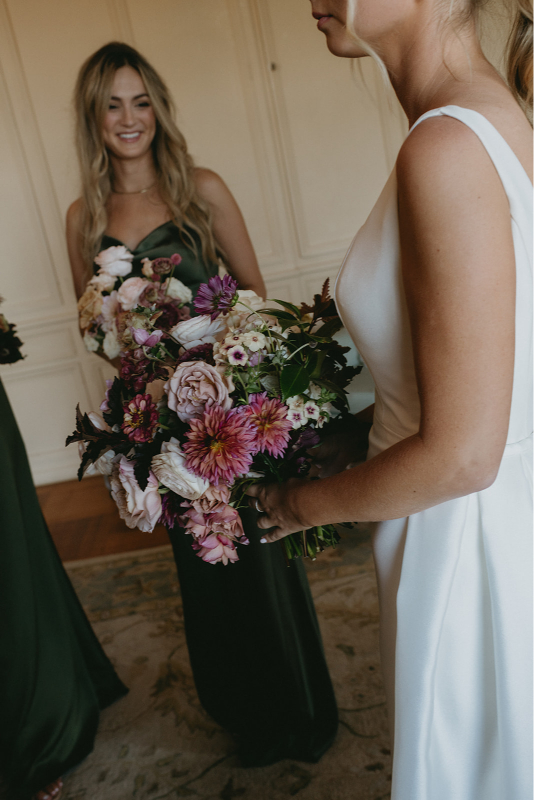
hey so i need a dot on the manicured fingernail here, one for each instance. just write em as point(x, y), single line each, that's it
point(263, 541)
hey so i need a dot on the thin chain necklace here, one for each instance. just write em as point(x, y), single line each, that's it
point(141, 191)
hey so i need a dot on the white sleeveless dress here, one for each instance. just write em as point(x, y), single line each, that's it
point(455, 580)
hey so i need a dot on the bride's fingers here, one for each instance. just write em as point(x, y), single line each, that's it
point(272, 536)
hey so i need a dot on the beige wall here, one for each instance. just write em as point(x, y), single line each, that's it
point(304, 145)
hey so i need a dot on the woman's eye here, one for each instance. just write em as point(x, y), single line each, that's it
point(144, 104)
point(111, 106)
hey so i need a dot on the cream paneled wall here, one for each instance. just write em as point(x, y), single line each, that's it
point(304, 144)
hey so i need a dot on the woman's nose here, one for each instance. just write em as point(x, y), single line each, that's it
point(127, 117)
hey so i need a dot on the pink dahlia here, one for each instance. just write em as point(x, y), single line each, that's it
point(140, 419)
point(216, 548)
point(269, 417)
point(203, 518)
point(221, 445)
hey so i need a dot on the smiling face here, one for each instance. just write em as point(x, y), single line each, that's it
point(376, 21)
point(130, 123)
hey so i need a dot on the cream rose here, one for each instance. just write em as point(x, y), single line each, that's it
point(194, 386)
point(199, 330)
point(115, 261)
point(170, 470)
point(139, 509)
point(89, 306)
point(90, 342)
point(177, 290)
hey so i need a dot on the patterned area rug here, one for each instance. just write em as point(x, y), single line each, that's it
point(159, 743)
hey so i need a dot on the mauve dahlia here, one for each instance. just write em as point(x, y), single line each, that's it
point(269, 417)
point(140, 419)
point(221, 445)
point(216, 296)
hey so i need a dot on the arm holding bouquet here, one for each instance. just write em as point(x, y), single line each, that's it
point(460, 296)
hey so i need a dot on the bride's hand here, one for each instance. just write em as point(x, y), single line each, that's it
point(276, 508)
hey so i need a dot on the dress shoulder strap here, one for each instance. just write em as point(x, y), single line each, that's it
point(515, 180)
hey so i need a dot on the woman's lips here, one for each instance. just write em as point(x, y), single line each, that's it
point(322, 21)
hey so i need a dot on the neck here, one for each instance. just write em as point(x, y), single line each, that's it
point(430, 67)
point(133, 175)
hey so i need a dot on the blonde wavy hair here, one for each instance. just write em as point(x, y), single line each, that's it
point(519, 50)
point(174, 165)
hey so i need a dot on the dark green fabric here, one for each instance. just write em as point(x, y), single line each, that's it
point(54, 675)
point(163, 242)
point(252, 632)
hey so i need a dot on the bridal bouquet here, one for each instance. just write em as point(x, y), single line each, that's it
point(106, 308)
point(233, 396)
point(10, 343)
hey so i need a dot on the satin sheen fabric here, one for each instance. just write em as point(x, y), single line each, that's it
point(54, 675)
point(455, 581)
point(252, 632)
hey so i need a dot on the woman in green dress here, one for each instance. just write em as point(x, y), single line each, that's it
point(251, 627)
point(54, 675)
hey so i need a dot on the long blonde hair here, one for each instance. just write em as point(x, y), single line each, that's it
point(174, 165)
point(519, 61)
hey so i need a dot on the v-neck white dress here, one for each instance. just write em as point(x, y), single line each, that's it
point(455, 580)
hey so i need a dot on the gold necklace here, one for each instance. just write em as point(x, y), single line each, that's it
point(141, 191)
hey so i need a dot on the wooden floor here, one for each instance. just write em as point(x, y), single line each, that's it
point(84, 521)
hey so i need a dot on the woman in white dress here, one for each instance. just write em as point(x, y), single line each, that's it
point(436, 292)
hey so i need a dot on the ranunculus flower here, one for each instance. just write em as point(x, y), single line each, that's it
point(216, 549)
point(110, 345)
point(130, 291)
point(177, 290)
point(202, 519)
point(103, 282)
point(110, 309)
point(198, 330)
point(115, 261)
point(139, 509)
point(194, 387)
point(89, 305)
point(169, 468)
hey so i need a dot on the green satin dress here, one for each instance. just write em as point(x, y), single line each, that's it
point(251, 627)
point(54, 675)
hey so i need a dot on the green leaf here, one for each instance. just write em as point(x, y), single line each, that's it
point(289, 306)
point(275, 312)
point(294, 379)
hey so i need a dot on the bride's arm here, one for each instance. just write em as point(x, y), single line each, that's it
point(459, 280)
point(230, 231)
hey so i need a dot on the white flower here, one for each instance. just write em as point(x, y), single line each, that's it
point(295, 402)
point(90, 342)
point(115, 261)
point(198, 330)
point(170, 470)
point(237, 355)
point(178, 291)
point(250, 299)
point(314, 391)
point(147, 267)
point(311, 410)
point(296, 417)
point(110, 345)
point(104, 464)
point(331, 410)
point(103, 282)
point(321, 419)
point(254, 341)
